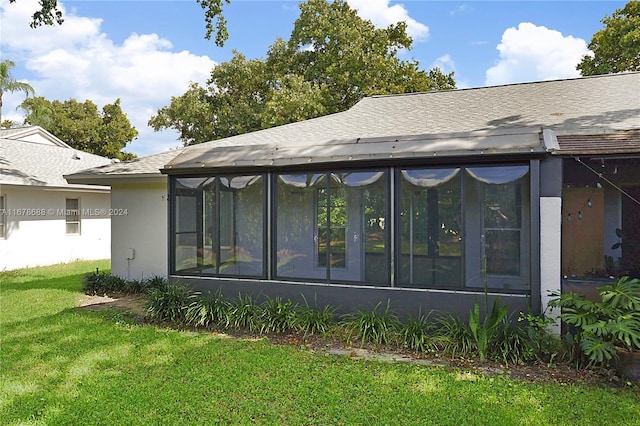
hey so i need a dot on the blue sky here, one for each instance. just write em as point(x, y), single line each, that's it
point(145, 51)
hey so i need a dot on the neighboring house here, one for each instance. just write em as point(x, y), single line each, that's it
point(425, 199)
point(43, 219)
point(139, 237)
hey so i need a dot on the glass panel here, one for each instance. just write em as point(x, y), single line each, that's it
point(219, 225)
point(430, 228)
point(502, 224)
point(337, 213)
point(72, 216)
point(503, 251)
point(242, 226)
point(297, 232)
point(376, 231)
point(73, 228)
point(186, 240)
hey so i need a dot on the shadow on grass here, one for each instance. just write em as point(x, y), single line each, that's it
point(80, 367)
point(68, 283)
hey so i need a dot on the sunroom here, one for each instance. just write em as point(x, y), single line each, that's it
point(427, 223)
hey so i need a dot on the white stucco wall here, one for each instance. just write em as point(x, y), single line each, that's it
point(143, 228)
point(36, 231)
point(550, 251)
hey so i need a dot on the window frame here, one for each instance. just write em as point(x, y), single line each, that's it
point(3, 217)
point(77, 216)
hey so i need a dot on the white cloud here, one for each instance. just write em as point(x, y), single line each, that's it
point(534, 53)
point(459, 9)
point(78, 60)
point(445, 63)
point(382, 15)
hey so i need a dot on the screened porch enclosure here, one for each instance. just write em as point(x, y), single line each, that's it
point(464, 227)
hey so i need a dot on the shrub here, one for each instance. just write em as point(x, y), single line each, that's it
point(207, 311)
point(376, 326)
point(243, 312)
point(169, 303)
point(417, 334)
point(602, 327)
point(455, 336)
point(313, 320)
point(277, 315)
point(100, 283)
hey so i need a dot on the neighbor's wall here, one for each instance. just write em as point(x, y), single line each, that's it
point(142, 228)
point(36, 231)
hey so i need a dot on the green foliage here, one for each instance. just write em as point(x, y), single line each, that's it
point(456, 336)
point(207, 310)
point(243, 312)
point(332, 59)
point(484, 331)
point(9, 84)
point(277, 315)
point(616, 47)
point(375, 326)
point(169, 303)
point(213, 12)
point(47, 14)
point(314, 320)
point(601, 327)
point(102, 282)
point(417, 334)
point(82, 126)
point(541, 344)
point(62, 365)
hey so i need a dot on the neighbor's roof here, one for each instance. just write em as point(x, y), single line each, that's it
point(490, 120)
point(32, 134)
point(25, 162)
point(613, 143)
point(143, 167)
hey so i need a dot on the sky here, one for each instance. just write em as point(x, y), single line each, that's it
point(145, 51)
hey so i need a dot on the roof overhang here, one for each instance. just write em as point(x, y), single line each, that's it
point(70, 187)
point(113, 179)
point(501, 142)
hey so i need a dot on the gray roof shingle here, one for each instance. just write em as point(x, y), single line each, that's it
point(422, 121)
point(31, 163)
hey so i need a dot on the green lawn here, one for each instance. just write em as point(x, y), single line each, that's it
point(63, 365)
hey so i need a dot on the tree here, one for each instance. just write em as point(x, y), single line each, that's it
point(616, 48)
point(50, 14)
point(82, 126)
point(332, 60)
point(9, 84)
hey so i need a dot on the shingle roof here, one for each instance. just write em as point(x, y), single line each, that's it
point(591, 105)
point(614, 143)
point(30, 163)
point(148, 166)
point(33, 134)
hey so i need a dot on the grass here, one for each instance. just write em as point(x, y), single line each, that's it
point(63, 365)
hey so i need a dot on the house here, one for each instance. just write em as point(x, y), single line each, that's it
point(139, 238)
point(44, 219)
point(429, 200)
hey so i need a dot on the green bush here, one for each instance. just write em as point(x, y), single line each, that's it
point(277, 315)
point(376, 326)
point(418, 334)
point(243, 312)
point(313, 320)
point(455, 336)
point(207, 311)
point(599, 328)
point(101, 283)
point(169, 303)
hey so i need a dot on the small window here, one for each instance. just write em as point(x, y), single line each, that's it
point(72, 216)
point(3, 217)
